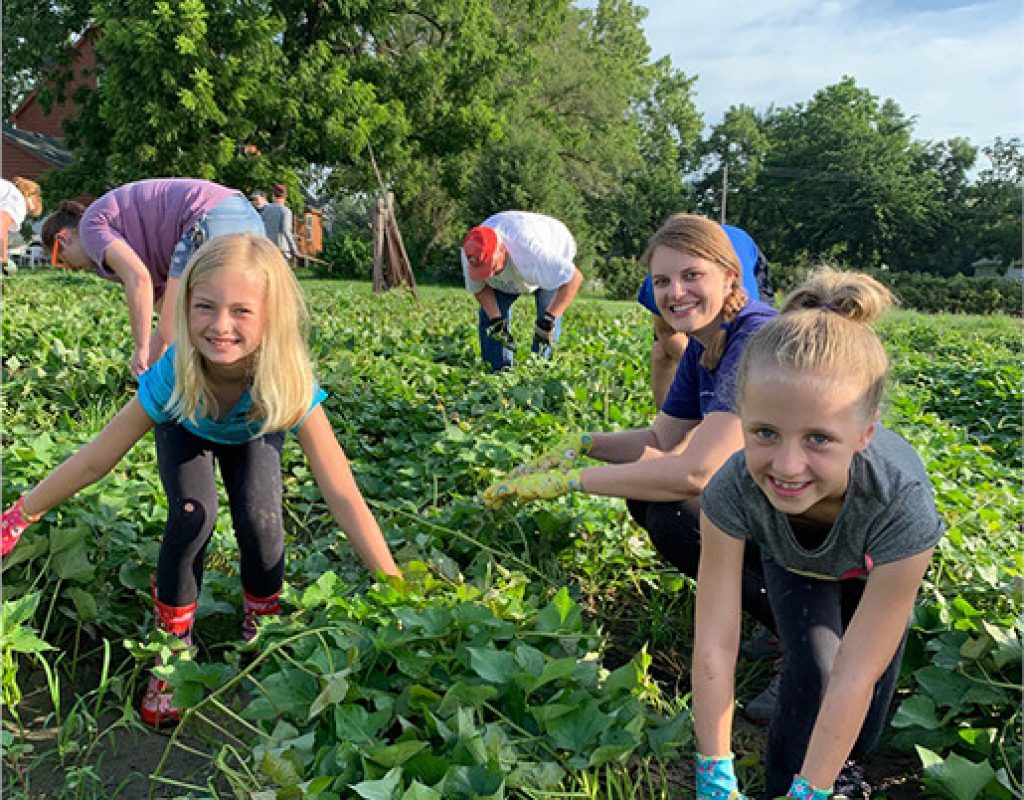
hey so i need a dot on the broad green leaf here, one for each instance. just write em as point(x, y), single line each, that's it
point(944, 687)
point(324, 589)
point(426, 767)
point(955, 777)
point(417, 791)
point(492, 665)
point(579, 728)
point(421, 698)
point(917, 711)
point(529, 659)
point(549, 711)
point(429, 621)
point(19, 610)
point(615, 746)
point(396, 754)
point(670, 736)
point(289, 692)
point(279, 769)
point(333, 693)
point(85, 604)
point(384, 789)
point(560, 614)
point(543, 775)
point(625, 679)
point(355, 724)
point(69, 555)
point(464, 694)
point(23, 640)
point(471, 783)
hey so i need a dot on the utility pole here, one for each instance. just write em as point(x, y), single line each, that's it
point(725, 187)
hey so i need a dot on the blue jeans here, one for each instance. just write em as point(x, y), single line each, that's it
point(233, 214)
point(493, 351)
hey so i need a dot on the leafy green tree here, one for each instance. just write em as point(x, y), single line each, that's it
point(569, 136)
point(995, 201)
point(669, 147)
point(38, 43)
point(202, 88)
point(734, 154)
point(839, 182)
point(599, 136)
point(945, 246)
point(446, 71)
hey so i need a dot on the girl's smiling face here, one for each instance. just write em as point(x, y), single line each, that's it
point(690, 291)
point(800, 435)
point(226, 319)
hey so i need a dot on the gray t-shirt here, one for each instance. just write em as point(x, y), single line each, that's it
point(888, 514)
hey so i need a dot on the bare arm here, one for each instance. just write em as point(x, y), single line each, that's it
point(867, 648)
point(565, 294)
point(716, 638)
point(488, 301)
point(138, 291)
point(677, 475)
point(93, 461)
point(338, 486)
point(666, 435)
point(163, 334)
point(666, 352)
point(6, 220)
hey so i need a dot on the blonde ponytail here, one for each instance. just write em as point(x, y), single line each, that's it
point(825, 330)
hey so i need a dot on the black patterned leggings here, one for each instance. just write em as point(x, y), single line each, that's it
point(252, 480)
point(812, 616)
point(674, 529)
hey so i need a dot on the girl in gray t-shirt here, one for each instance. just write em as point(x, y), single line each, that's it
point(843, 514)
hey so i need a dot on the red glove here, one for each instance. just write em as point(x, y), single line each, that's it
point(13, 525)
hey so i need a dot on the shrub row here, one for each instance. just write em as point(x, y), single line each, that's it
point(932, 294)
point(959, 294)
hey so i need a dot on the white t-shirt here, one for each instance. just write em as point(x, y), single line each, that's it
point(540, 253)
point(13, 202)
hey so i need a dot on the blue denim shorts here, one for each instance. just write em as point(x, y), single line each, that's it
point(234, 214)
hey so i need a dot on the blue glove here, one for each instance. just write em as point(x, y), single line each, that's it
point(716, 779)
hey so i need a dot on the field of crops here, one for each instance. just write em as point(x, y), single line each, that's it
point(532, 652)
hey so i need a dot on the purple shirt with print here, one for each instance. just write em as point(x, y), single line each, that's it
point(150, 216)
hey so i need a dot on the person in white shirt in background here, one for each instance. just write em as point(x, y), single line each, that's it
point(510, 254)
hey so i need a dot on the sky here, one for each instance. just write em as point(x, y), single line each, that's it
point(955, 66)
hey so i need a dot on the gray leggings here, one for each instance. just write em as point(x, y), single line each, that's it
point(252, 480)
point(811, 616)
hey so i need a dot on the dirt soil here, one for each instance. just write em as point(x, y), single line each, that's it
point(121, 764)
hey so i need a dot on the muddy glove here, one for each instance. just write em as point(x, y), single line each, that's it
point(498, 328)
point(544, 333)
point(561, 456)
point(802, 790)
point(538, 486)
point(716, 779)
point(14, 523)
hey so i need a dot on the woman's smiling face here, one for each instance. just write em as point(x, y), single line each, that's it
point(690, 291)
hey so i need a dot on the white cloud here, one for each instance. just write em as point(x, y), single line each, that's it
point(956, 66)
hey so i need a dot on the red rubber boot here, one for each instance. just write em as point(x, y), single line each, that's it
point(256, 607)
point(156, 709)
